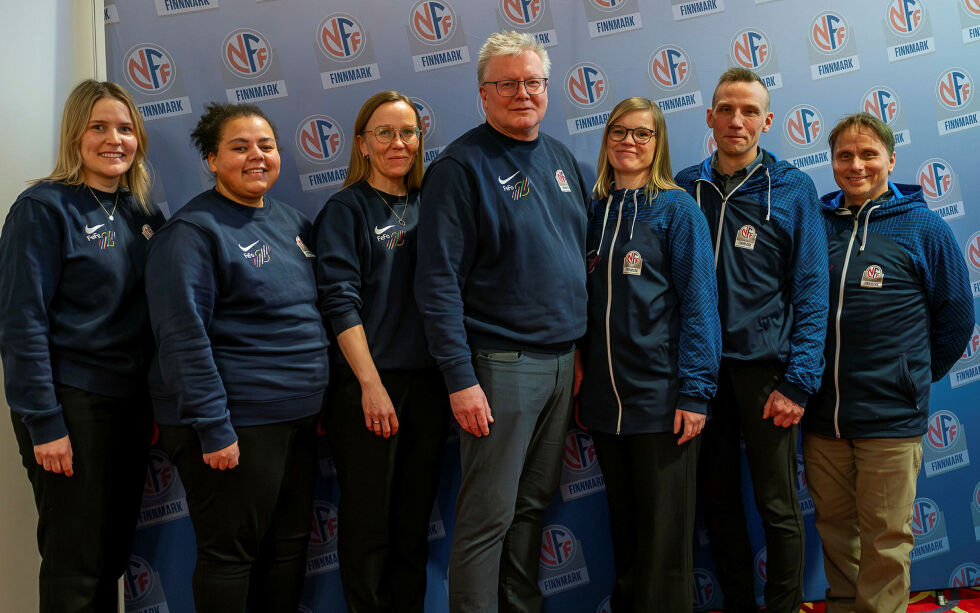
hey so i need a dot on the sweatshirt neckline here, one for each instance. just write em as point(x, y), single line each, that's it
point(251, 211)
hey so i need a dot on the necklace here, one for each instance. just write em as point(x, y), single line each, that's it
point(108, 213)
point(400, 218)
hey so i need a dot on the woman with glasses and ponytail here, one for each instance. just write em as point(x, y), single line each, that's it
point(387, 415)
point(651, 356)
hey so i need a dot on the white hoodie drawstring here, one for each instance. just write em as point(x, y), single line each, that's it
point(605, 218)
point(768, 195)
point(864, 235)
point(636, 208)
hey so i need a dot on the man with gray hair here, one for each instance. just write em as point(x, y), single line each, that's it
point(501, 287)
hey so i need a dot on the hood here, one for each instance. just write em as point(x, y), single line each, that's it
point(904, 197)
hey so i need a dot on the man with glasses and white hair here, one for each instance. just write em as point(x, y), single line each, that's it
point(501, 287)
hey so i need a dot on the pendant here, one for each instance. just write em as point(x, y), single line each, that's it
point(401, 222)
point(111, 218)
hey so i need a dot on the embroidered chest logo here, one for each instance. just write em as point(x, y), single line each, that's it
point(873, 276)
point(105, 237)
point(745, 238)
point(632, 263)
point(516, 188)
point(392, 240)
point(255, 253)
point(562, 181)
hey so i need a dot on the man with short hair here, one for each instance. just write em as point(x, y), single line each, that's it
point(501, 287)
point(771, 262)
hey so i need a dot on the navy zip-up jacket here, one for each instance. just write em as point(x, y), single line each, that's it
point(501, 257)
point(654, 339)
point(771, 263)
point(901, 314)
point(232, 295)
point(365, 272)
point(72, 307)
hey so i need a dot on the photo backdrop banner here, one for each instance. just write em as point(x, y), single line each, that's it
point(310, 64)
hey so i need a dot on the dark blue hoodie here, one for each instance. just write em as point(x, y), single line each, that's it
point(771, 262)
point(901, 312)
point(654, 340)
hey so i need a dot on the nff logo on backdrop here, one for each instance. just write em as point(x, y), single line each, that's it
point(562, 561)
point(142, 588)
point(970, 20)
point(955, 99)
point(907, 30)
point(163, 493)
point(972, 254)
point(967, 368)
point(606, 17)
point(803, 128)
point(832, 49)
point(580, 472)
point(883, 103)
point(320, 140)
point(965, 576)
point(322, 556)
point(751, 49)
point(530, 16)
point(940, 188)
point(929, 530)
point(945, 444)
point(247, 54)
point(434, 24)
point(151, 71)
point(586, 89)
point(671, 73)
point(342, 39)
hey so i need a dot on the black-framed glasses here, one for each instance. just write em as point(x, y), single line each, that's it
point(509, 88)
point(641, 136)
point(386, 134)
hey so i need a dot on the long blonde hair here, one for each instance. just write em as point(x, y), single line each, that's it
point(661, 176)
point(359, 168)
point(74, 121)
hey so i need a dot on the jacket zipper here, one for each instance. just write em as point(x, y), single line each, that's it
point(837, 316)
point(612, 377)
point(724, 205)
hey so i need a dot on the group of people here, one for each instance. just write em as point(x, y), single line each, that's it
point(496, 287)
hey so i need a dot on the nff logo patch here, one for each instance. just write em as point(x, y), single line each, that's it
point(246, 53)
point(149, 68)
point(319, 139)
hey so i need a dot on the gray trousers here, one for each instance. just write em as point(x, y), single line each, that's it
point(508, 480)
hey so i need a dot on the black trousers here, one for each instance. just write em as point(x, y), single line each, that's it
point(87, 522)
point(771, 451)
point(387, 488)
point(252, 522)
point(650, 488)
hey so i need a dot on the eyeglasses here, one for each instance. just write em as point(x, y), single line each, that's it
point(641, 136)
point(509, 88)
point(386, 134)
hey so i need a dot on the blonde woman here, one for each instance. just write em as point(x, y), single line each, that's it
point(75, 340)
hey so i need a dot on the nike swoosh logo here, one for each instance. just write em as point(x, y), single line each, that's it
point(382, 230)
point(89, 230)
point(249, 247)
point(504, 181)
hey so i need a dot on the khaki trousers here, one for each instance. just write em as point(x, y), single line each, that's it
point(863, 490)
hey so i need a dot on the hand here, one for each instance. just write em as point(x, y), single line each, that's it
point(579, 373)
point(55, 456)
point(472, 410)
point(691, 422)
point(223, 459)
point(379, 413)
point(784, 412)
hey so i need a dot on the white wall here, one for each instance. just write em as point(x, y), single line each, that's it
point(47, 46)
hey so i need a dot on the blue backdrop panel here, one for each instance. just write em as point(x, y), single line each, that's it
point(310, 64)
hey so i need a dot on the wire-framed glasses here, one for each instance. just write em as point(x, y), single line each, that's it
point(386, 134)
point(509, 88)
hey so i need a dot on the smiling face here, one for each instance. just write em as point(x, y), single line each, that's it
point(108, 144)
point(861, 165)
point(517, 116)
point(247, 162)
point(390, 162)
point(632, 162)
point(737, 118)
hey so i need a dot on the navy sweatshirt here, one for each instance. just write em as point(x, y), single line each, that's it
point(232, 295)
point(654, 340)
point(771, 263)
point(501, 258)
point(365, 270)
point(901, 314)
point(72, 307)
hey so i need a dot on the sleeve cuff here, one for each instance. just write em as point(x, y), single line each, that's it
point(459, 376)
point(692, 404)
point(46, 429)
point(793, 393)
point(217, 437)
point(344, 321)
